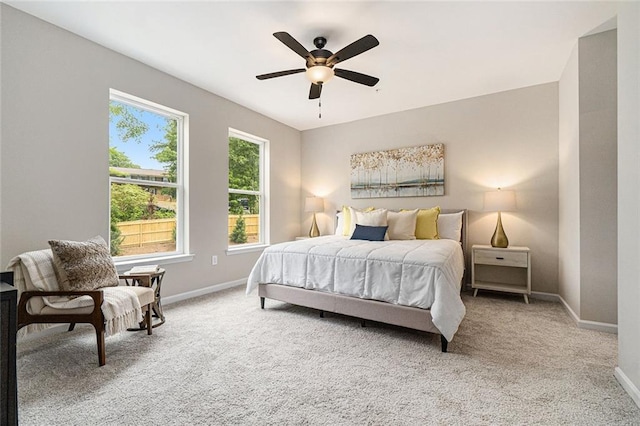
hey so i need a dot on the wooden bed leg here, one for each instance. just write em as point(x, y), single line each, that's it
point(262, 303)
point(71, 326)
point(363, 323)
point(321, 314)
point(444, 343)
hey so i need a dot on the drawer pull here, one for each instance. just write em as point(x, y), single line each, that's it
point(499, 258)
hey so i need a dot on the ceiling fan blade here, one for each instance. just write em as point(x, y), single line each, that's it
point(367, 80)
point(357, 47)
point(314, 92)
point(293, 44)
point(279, 74)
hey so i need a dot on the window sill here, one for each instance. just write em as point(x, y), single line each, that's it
point(123, 265)
point(246, 249)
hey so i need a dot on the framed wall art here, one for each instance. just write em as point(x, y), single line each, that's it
point(403, 172)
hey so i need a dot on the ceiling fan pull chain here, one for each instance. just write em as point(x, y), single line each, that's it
point(319, 108)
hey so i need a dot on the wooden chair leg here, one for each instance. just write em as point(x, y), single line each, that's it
point(101, 350)
point(148, 320)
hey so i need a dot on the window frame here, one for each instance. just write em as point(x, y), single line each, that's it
point(180, 185)
point(262, 193)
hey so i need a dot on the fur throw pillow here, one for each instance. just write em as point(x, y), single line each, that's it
point(83, 265)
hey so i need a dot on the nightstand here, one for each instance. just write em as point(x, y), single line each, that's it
point(501, 269)
point(302, 238)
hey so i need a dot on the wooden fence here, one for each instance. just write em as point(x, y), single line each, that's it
point(138, 233)
point(251, 224)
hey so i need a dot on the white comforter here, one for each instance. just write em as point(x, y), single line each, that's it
point(419, 273)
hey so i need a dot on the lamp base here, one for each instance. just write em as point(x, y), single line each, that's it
point(499, 238)
point(314, 231)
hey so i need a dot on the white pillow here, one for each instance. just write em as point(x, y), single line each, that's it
point(450, 226)
point(402, 225)
point(377, 217)
point(340, 224)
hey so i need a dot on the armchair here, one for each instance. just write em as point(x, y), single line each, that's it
point(41, 302)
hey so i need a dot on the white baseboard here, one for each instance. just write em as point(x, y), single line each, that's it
point(598, 326)
point(627, 385)
point(202, 291)
point(589, 325)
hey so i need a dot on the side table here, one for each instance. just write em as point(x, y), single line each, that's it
point(153, 280)
point(503, 269)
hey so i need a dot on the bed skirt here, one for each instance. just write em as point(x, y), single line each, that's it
point(373, 310)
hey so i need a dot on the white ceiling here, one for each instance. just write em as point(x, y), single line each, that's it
point(429, 52)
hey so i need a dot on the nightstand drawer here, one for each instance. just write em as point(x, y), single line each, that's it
point(501, 258)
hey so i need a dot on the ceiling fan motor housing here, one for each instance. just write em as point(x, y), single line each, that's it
point(321, 56)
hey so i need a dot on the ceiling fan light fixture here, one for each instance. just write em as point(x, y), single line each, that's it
point(319, 74)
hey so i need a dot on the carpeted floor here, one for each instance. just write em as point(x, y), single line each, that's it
point(220, 359)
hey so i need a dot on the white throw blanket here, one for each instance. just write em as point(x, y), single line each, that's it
point(120, 308)
point(34, 271)
point(424, 274)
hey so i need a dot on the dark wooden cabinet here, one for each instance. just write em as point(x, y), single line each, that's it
point(8, 325)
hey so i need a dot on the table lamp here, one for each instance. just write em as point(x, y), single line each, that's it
point(500, 201)
point(314, 205)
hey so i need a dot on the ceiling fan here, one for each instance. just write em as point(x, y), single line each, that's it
point(320, 62)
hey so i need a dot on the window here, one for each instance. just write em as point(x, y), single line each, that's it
point(146, 178)
point(248, 195)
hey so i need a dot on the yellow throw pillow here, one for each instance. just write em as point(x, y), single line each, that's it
point(427, 224)
point(346, 215)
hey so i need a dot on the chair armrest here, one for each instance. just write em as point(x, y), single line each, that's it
point(96, 295)
point(95, 317)
point(90, 293)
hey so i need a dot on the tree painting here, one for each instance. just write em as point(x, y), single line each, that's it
point(403, 172)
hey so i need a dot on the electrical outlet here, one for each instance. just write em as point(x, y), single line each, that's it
point(214, 260)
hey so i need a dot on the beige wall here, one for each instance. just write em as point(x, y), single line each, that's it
point(588, 180)
point(506, 139)
point(54, 151)
point(569, 185)
point(628, 371)
point(598, 177)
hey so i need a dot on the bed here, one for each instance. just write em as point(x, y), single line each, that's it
point(409, 283)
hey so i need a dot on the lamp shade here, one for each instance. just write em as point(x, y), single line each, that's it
point(500, 201)
point(319, 74)
point(314, 204)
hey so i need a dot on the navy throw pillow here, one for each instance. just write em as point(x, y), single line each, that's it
point(370, 233)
